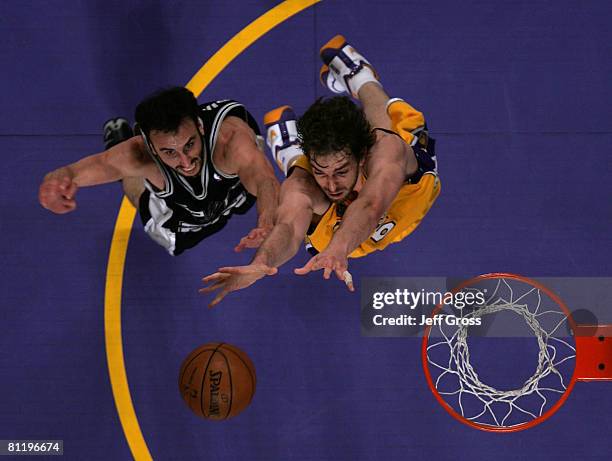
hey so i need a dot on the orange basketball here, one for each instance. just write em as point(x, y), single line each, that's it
point(217, 381)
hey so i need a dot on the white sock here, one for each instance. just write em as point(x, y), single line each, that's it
point(365, 75)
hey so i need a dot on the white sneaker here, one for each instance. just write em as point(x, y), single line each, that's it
point(282, 136)
point(344, 69)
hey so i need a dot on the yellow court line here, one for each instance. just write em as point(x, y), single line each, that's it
point(243, 39)
point(125, 219)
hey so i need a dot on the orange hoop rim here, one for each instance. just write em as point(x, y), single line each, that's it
point(483, 427)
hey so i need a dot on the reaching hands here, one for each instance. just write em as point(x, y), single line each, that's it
point(228, 279)
point(330, 261)
point(57, 194)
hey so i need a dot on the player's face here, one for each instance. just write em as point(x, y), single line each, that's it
point(182, 149)
point(336, 174)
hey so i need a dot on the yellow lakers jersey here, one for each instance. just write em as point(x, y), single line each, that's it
point(411, 203)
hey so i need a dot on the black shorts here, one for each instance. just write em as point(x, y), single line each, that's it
point(159, 223)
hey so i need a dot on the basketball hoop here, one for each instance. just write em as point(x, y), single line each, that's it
point(566, 353)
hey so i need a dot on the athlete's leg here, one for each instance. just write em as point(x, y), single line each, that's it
point(346, 70)
point(374, 100)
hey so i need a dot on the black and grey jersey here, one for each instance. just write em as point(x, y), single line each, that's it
point(201, 204)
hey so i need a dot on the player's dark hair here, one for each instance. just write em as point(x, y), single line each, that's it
point(165, 109)
point(333, 125)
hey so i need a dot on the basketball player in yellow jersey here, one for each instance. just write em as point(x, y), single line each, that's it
point(357, 180)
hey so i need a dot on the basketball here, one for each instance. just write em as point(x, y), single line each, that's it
point(217, 381)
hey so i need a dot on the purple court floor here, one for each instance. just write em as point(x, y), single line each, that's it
point(517, 94)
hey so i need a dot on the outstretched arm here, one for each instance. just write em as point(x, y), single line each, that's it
point(386, 174)
point(292, 220)
point(256, 174)
point(58, 189)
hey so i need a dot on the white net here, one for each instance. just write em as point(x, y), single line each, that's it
point(449, 355)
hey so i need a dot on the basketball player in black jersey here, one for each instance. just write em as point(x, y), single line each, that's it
point(187, 171)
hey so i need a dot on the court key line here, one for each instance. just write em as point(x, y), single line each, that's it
point(125, 219)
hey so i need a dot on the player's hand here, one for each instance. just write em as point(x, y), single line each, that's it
point(254, 238)
point(57, 194)
point(330, 262)
point(228, 279)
